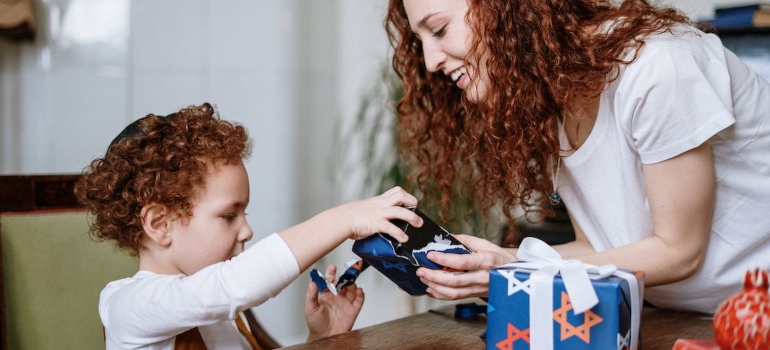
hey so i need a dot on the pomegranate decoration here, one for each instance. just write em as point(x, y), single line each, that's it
point(743, 320)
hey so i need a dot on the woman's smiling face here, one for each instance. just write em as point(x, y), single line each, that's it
point(441, 27)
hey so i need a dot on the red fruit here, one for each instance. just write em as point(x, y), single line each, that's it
point(743, 320)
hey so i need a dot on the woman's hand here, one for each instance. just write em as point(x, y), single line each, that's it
point(459, 285)
point(327, 314)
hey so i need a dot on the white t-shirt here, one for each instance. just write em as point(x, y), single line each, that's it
point(148, 310)
point(683, 90)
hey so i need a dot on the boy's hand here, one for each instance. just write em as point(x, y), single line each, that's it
point(373, 215)
point(327, 314)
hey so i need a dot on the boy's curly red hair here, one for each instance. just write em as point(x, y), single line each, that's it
point(166, 164)
point(540, 63)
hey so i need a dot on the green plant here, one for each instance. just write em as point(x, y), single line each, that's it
point(368, 143)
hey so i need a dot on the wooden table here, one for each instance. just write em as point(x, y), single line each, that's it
point(438, 329)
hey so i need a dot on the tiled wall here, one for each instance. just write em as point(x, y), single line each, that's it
point(286, 69)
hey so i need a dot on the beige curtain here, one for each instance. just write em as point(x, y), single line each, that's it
point(16, 20)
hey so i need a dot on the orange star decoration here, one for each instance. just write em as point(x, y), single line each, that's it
point(583, 331)
point(514, 334)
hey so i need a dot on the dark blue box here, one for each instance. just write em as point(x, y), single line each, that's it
point(399, 262)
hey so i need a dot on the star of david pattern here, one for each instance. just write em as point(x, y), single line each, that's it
point(514, 334)
point(514, 284)
point(379, 254)
point(624, 342)
point(386, 265)
point(583, 331)
point(508, 322)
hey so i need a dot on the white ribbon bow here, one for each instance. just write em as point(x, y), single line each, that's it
point(535, 254)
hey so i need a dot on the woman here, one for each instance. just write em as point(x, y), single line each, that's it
point(650, 131)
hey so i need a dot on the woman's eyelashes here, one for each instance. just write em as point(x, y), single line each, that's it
point(440, 32)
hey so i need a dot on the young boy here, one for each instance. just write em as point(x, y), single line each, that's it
point(172, 191)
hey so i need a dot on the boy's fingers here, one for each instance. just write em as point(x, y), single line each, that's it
point(350, 292)
point(331, 273)
point(355, 293)
point(395, 232)
point(311, 297)
point(415, 220)
point(358, 301)
point(397, 196)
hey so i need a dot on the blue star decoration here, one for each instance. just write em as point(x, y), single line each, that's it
point(398, 266)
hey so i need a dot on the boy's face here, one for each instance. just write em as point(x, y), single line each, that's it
point(217, 230)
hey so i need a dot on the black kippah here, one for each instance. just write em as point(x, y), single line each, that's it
point(132, 130)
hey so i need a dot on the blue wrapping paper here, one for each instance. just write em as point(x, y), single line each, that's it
point(320, 281)
point(351, 274)
point(606, 325)
point(399, 262)
point(346, 279)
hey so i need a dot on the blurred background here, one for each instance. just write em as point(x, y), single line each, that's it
point(294, 72)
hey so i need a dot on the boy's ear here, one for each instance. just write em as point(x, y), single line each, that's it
point(156, 223)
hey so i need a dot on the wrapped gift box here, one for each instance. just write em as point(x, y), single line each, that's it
point(520, 309)
point(399, 261)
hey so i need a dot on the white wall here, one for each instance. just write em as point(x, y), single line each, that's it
point(288, 70)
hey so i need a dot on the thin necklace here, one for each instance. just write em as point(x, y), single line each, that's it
point(555, 198)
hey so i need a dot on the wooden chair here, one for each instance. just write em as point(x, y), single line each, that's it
point(52, 272)
point(264, 340)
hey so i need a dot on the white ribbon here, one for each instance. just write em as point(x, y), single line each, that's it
point(535, 254)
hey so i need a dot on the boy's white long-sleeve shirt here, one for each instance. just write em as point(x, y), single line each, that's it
point(148, 310)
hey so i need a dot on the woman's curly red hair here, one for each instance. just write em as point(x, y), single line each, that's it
point(541, 61)
point(167, 165)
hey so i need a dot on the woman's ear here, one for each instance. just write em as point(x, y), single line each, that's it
point(156, 223)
